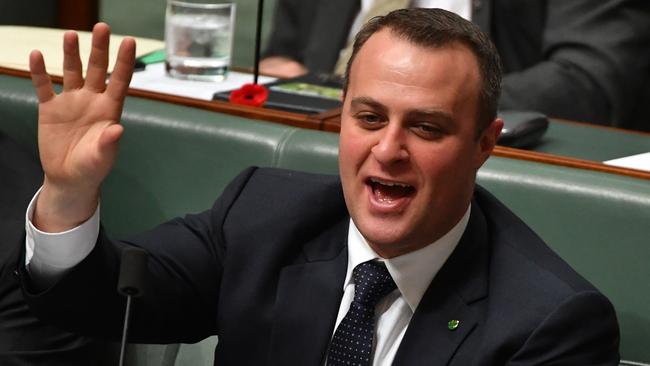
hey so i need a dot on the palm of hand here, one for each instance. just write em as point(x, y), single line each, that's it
point(79, 129)
point(73, 127)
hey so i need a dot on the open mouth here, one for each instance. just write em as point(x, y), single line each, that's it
point(388, 192)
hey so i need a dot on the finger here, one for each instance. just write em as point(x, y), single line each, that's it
point(40, 78)
point(99, 160)
point(121, 75)
point(108, 144)
point(98, 61)
point(110, 136)
point(72, 77)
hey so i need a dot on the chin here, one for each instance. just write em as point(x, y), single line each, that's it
point(384, 239)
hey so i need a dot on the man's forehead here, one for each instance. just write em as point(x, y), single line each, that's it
point(390, 68)
point(386, 40)
point(387, 52)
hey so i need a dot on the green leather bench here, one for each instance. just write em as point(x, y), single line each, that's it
point(598, 222)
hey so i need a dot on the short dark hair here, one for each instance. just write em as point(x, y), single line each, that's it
point(437, 28)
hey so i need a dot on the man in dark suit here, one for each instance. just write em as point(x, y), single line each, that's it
point(400, 260)
point(577, 59)
point(24, 339)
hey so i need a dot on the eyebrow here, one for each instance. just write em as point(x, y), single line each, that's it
point(368, 102)
point(431, 115)
point(415, 114)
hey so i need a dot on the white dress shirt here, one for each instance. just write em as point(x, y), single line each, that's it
point(412, 273)
point(49, 255)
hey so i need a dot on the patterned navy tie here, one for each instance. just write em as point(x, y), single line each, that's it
point(352, 341)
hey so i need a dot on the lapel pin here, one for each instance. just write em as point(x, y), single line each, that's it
point(453, 324)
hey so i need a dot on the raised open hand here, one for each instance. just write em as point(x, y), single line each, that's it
point(78, 129)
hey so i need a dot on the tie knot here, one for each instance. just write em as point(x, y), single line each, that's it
point(372, 282)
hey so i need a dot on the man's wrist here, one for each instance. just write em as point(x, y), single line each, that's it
point(56, 252)
point(58, 209)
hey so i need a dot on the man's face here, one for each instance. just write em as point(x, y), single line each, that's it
point(408, 150)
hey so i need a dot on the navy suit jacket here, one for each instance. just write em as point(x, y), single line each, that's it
point(581, 60)
point(264, 269)
point(24, 339)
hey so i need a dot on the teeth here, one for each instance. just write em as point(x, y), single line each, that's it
point(389, 184)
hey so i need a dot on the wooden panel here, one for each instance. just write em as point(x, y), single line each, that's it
point(288, 118)
point(77, 14)
point(331, 121)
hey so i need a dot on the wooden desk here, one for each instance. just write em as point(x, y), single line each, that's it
point(570, 144)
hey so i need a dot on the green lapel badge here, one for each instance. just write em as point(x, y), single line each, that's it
point(453, 324)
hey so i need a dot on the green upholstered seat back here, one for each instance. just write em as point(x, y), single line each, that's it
point(176, 159)
point(179, 159)
point(173, 159)
point(599, 223)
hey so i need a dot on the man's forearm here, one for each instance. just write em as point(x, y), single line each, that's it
point(49, 255)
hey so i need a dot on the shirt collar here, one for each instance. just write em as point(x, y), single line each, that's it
point(412, 272)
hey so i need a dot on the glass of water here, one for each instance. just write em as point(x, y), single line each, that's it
point(198, 39)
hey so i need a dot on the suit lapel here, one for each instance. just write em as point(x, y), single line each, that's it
point(428, 340)
point(482, 15)
point(308, 299)
point(454, 294)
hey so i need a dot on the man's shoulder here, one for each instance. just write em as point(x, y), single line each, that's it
point(277, 212)
point(532, 263)
point(276, 183)
point(295, 176)
point(536, 292)
point(277, 194)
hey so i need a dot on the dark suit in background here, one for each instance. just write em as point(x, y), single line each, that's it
point(24, 339)
point(264, 269)
point(581, 60)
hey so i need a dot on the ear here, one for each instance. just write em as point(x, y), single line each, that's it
point(487, 141)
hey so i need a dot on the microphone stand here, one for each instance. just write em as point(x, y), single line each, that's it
point(258, 40)
point(131, 284)
point(125, 329)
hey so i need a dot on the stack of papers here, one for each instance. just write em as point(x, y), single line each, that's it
point(154, 78)
point(16, 43)
point(639, 161)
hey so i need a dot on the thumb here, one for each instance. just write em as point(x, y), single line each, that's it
point(109, 141)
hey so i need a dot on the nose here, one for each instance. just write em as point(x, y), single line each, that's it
point(391, 146)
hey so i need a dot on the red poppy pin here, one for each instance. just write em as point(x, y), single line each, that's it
point(250, 94)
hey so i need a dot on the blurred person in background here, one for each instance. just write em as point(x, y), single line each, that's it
point(579, 60)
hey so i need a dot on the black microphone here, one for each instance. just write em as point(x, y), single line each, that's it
point(133, 269)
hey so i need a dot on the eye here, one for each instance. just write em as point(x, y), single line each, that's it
point(369, 120)
point(427, 131)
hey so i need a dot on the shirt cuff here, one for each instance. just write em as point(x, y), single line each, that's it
point(51, 254)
